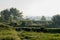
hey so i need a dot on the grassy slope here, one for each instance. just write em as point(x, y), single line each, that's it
point(39, 36)
point(7, 33)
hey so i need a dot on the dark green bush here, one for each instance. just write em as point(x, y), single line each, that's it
point(53, 30)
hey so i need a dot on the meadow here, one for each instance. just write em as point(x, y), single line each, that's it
point(39, 36)
point(9, 33)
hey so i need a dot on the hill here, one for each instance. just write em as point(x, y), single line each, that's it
point(8, 33)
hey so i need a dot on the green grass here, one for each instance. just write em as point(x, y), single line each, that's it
point(39, 36)
point(8, 33)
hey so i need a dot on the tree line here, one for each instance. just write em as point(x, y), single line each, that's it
point(14, 17)
point(10, 15)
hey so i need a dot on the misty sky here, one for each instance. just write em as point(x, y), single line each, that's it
point(33, 7)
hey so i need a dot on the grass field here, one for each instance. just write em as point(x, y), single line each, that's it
point(39, 36)
point(8, 33)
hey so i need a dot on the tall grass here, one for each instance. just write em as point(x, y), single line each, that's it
point(8, 33)
point(39, 36)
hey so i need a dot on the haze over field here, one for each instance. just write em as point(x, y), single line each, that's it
point(33, 7)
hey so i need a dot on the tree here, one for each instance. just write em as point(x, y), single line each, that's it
point(43, 18)
point(5, 14)
point(11, 15)
point(56, 19)
point(17, 16)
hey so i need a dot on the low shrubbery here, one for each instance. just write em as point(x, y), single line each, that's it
point(53, 30)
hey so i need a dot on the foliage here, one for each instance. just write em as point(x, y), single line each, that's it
point(16, 14)
point(11, 15)
point(5, 14)
point(53, 30)
point(43, 18)
point(56, 19)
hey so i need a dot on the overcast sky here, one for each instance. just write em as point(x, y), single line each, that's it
point(33, 7)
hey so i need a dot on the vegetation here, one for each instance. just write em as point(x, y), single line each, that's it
point(13, 26)
point(39, 36)
point(8, 33)
point(11, 15)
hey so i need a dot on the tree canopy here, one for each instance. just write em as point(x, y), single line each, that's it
point(56, 19)
point(43, 18)
point(11, 15)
